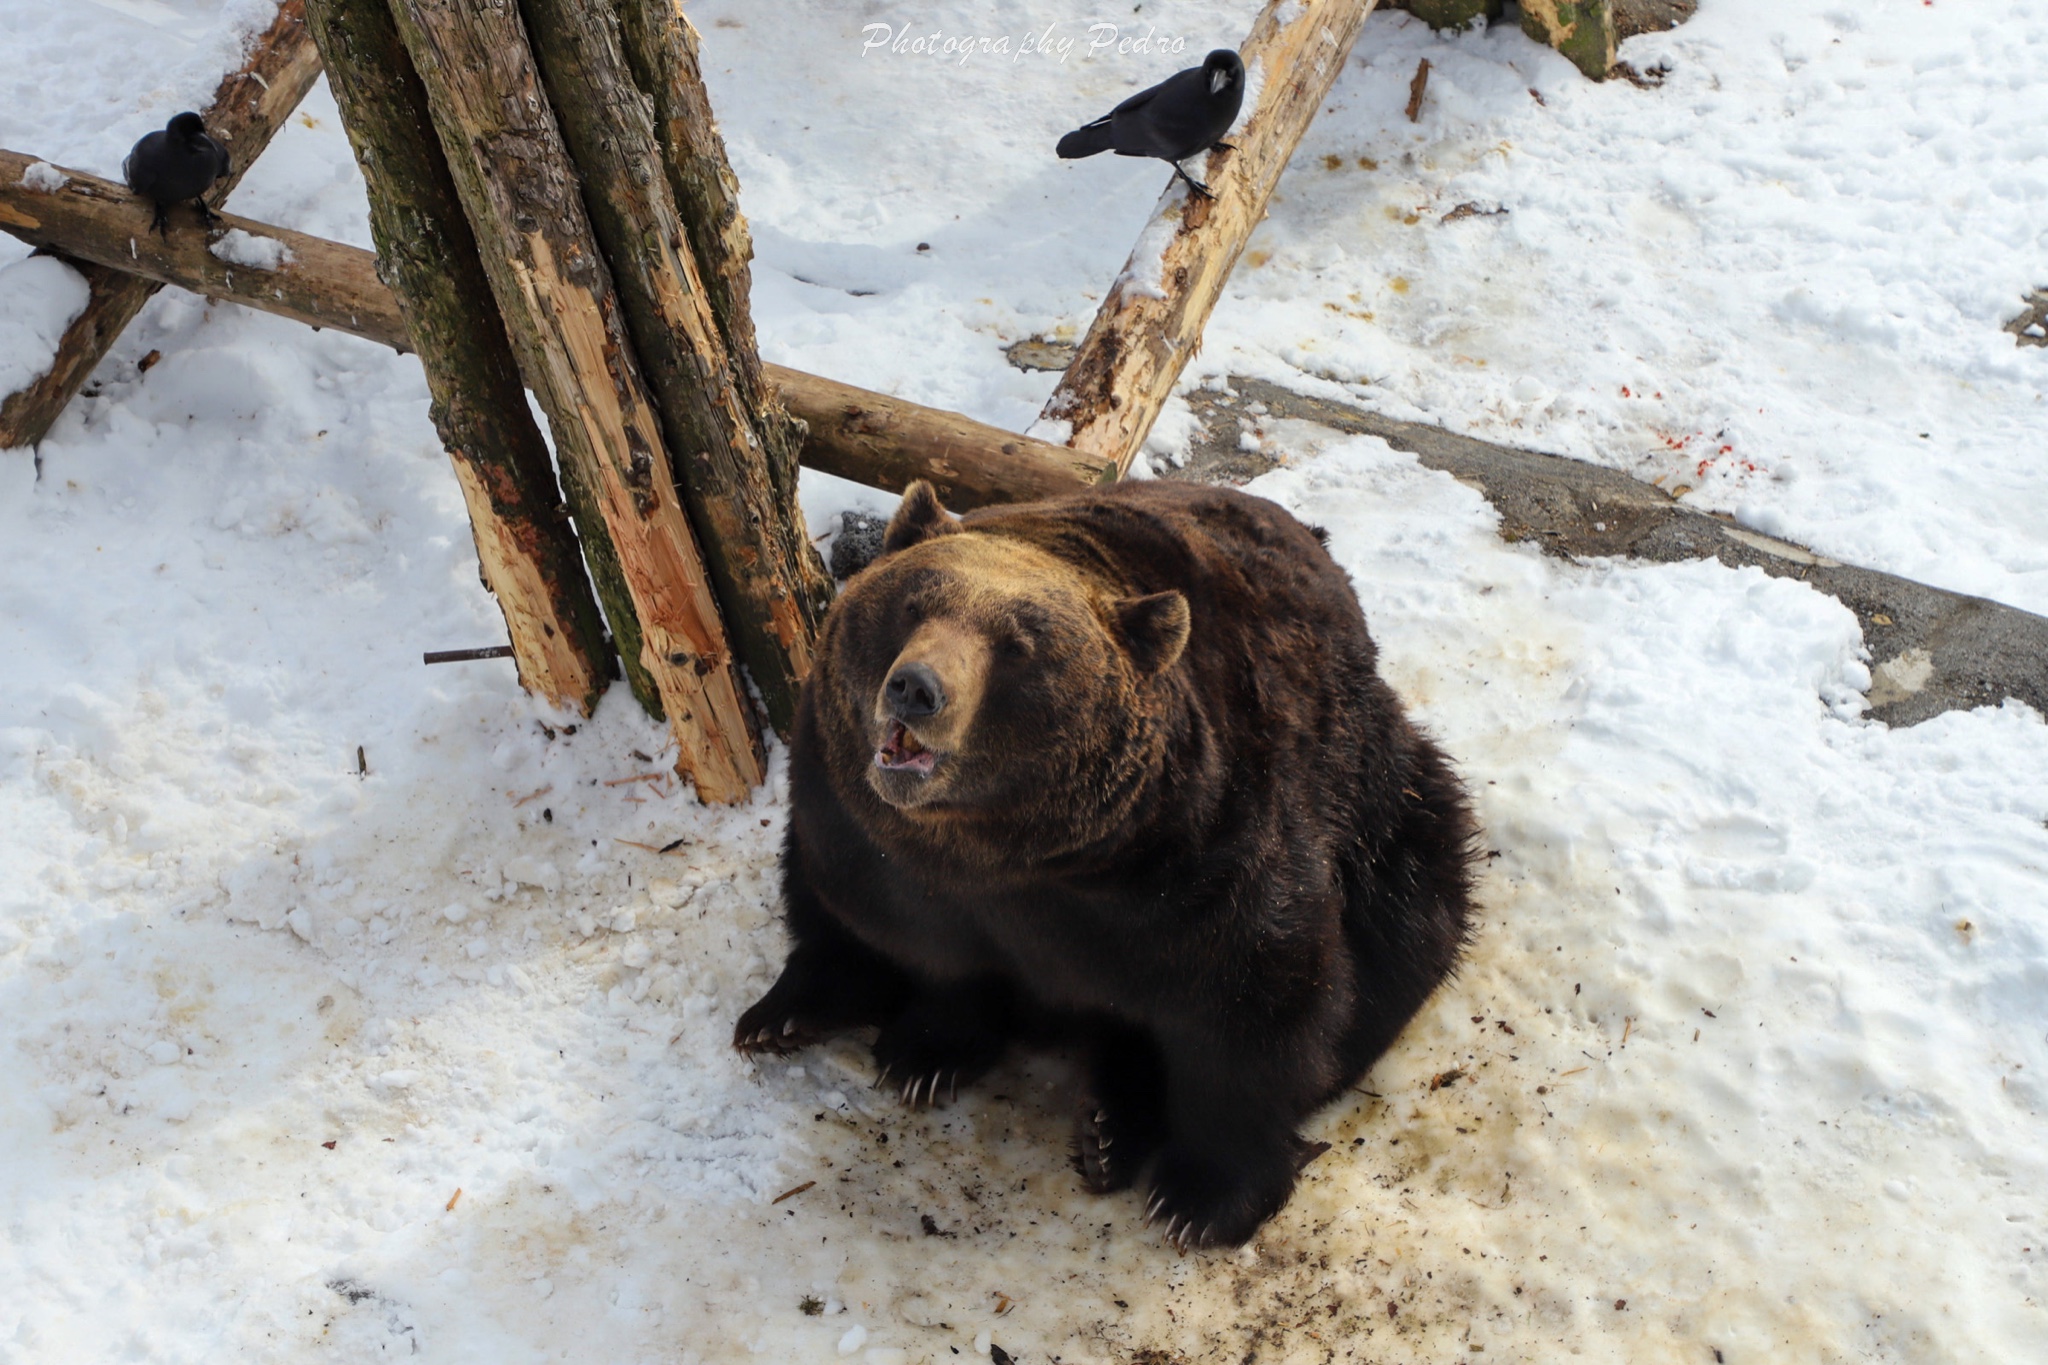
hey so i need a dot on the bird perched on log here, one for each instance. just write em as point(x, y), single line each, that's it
point(1186, 113)
point(175, 165)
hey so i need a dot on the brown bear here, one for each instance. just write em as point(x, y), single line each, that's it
point(1117, 768)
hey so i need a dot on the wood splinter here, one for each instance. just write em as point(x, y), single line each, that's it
point(1416, 88)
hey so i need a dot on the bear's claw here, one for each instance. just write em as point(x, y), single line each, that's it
point(922, 1091)
point(1210, 1200)
point(1094, 1135)
point(931, 1052)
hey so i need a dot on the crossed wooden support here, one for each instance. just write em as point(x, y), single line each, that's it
point(608, 234)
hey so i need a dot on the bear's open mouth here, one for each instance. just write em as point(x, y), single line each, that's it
point(901, 753)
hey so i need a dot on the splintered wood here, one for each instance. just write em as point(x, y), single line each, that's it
point(527, 551)
point(521, 194)
point(249, 106)
point(1150, 323)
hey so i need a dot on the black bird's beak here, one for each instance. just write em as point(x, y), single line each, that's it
point(1218, 79)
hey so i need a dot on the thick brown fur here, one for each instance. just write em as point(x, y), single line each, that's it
point(1119, 767)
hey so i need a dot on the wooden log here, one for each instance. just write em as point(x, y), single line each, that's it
point(769, 581)
point(1441, 14)
point(520, 193)
point(526, 550)
point(886, 442)
point(1582, 30)
point(855, 433)
point(249, 106)
point(98, 222)
point(662, 49)
point(1150, 323)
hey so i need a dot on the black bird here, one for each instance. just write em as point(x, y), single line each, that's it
point(1186, 113)
point(177, 164)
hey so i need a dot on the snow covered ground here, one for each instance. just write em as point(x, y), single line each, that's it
point(299, 1062)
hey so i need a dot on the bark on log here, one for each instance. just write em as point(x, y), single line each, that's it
point(1582, 30)
point(662, 47)
point(519, 191)
point(769, 581)
point(1150, 323)
point(249, 106)
point(855, 433)
point(886, 442)
point(427, 254)
point(98, 222)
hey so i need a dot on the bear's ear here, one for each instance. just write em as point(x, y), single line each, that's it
point(920, 517)
point(1154, 630)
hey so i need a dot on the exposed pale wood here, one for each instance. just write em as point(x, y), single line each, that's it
point(769, 581)
point(323, 283)
point(852, 432)
point(1150, 323)
point(662, 49)
point(249, 106)
point(527, 552)
point(1583, 30)
point(520, 193)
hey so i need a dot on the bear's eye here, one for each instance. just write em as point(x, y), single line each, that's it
point(913, 611)
point(1015, 645)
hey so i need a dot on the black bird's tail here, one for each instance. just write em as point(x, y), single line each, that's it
point(1087, 141)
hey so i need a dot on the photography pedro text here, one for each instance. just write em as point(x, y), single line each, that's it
point(1100, 39)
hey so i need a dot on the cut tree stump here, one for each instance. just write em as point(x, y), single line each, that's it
point(870, 438)
point(249, 106)
point(526, 549)
point(521, 194)
point(1150, 323)
point(770, 582)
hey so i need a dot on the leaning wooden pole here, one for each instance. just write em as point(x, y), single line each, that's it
point(769, 580)
point(249, 106)
point(662, 49)
point(1150, 323)
point(520, 192)
point(858, 434)
point(426, 253)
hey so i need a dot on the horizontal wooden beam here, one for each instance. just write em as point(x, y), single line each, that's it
point(855, 433)
point(248, 107)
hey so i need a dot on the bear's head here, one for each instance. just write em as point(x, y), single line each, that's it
point(986, 675)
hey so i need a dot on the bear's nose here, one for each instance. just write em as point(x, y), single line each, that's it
point(913, 691)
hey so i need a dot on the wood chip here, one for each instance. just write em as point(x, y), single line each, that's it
point(533, 795)
point(792, 1193)
point(636, 777)
point(450, 1206)
point(1415, 89)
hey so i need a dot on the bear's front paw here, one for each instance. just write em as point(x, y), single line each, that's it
point(1208, 1201)
point(1111, 1143)
point(923, 1053)
point(775, 1024)
point(817, 996)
